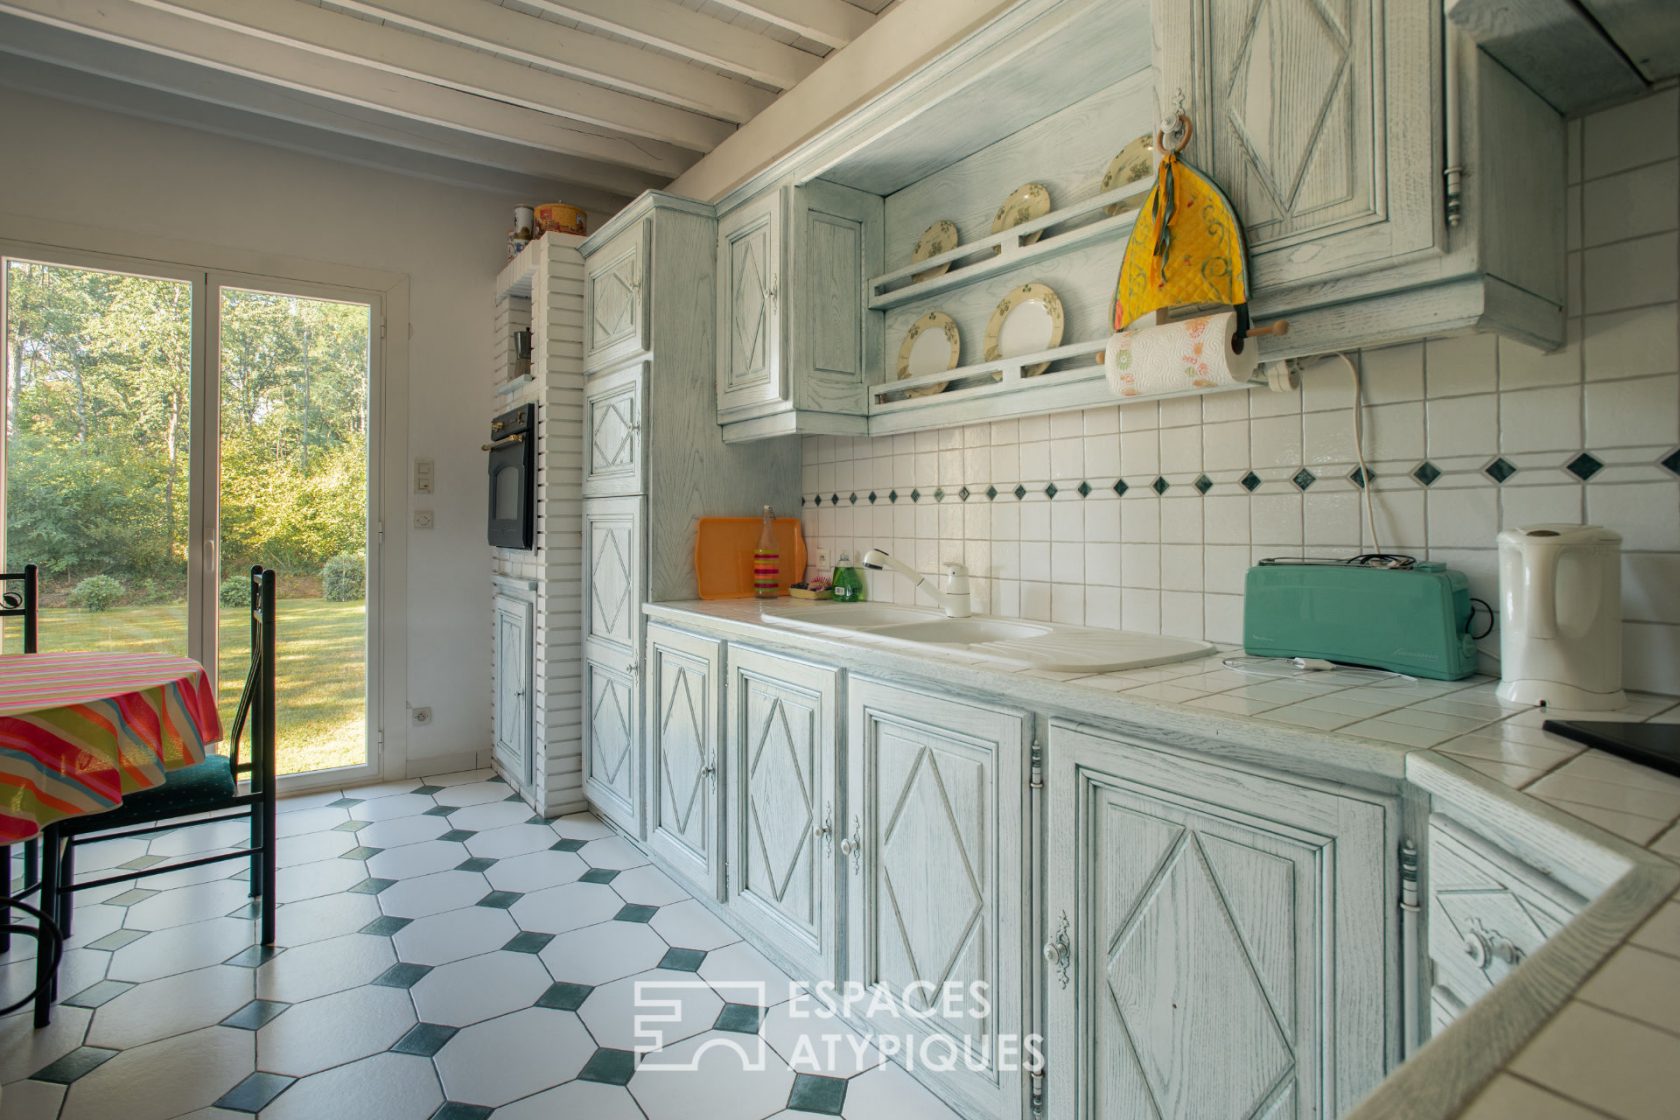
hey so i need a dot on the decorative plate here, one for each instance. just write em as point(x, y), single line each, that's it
point(1027, 320)
point(940, 237)
point(931, 345)
point(1135, 162)
point(1023, 205)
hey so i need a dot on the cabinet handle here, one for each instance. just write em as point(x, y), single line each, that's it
point(709, 771)
point(1484, 947)
point(853, 846)
point(770, 294)
point(1058, 952)
point(826, 831)
point(634, 670)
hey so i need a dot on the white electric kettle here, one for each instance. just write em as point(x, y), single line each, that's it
point(1560, 642)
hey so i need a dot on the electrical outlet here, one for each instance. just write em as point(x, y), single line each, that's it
point(422, 716)
point(422, 519)
point(424, 473)
point(822, 560)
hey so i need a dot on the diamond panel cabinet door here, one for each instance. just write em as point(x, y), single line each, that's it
point(615, 299)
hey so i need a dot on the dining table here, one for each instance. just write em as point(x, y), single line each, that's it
point(79, 732)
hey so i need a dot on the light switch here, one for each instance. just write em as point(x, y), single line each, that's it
point(422, 519)
point(423, 471)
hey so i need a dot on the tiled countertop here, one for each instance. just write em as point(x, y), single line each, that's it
point(1614, 1047)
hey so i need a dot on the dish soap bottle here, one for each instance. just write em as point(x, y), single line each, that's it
point(848, 584)
point(767, 570)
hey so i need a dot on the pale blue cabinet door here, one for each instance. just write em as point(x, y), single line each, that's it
point(751, 375)
point(612, 756)
point(513, 685)
point(1215, 939)
point(682, 738)
point(615, 298)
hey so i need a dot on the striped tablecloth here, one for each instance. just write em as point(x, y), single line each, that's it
point(78, 731)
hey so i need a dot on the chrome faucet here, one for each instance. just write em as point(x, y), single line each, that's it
point(954, 600)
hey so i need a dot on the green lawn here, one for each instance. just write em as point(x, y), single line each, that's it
point(322, 676)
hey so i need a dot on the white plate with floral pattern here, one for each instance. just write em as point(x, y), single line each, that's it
point(931, 345)
point(1025, 321)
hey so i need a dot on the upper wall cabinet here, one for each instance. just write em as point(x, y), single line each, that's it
point(615, 299)
point(796, 347)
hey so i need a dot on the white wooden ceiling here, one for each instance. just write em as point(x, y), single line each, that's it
point(601, 97)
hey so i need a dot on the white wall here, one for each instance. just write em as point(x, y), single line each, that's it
point(69, 164)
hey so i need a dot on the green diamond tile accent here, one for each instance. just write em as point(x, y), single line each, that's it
point(683, 960)
point(1120, 487)
point(130, 897)
point(80, 1062)
point(991, 493)
point(892, 495)
point(1584, 465)
point(501, 900)
point(564, 997)
point(344, 802)
point(609, 1067)
point(439, 811)
point(116, 939)
point(476, 863)
point(254, 1014)
point(255, 1092)
point(1020, 491)
point(1050, 490)
point(424, 1039)
point(915, 495)
point(513, 797)
point(565, 845)
point(1250, 482)
point(361, 851)
point(1160, 485)
point(1203, 483)
point(456, 1110)
point(636, 912)
point(372, 885)
point(1500, 469)
point(1084, 489)
point(598, 875)
point(427, 791)
point(528, 942)
point(963, 493)
point(742, 1018)
point(254, 955)
point(812, 1093)
point(384, 926)
point(458, 834)
point(1672, 461)
point(834, 499)
point(140, 863)
point(402, 975)
point(1359, 476)
point(536, 818)
point(802, 502)
point(1426, 473)
point(853, 498)
point(939, 494)
point(497, 779)
point(98, 994)
point(1303, 478)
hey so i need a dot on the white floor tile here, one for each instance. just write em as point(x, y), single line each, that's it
point(613, 854)
point(386, 808)
point(433, 894)
point(599, 953)
point(454, 935)
point(301, 801)
point(171, 1006)
point(494, 814)
point(322, 1033)
point(568, 907)
point(500, 1061)
point(163, 1079)
point(413, 860)
point(401, 830)
point(309, 820)
point(80, 968)
point(580, 1099)
point(313, 880)
point(717, 1085)
point(889, 1091)
point(742, 965)
point(322, 967)
point(690, 925)
point(383, 1087)
point(313, 846)
point(581, 826)
point(536, 871)
point(810, 1041)
point(183, 905)
point(649, 886)
point(182, 949)
point(460, 777)
point(197, 839)
point(33, 1100)
point(479, 988)
point(107, 854)
point(649, 1010)
point(511, 840)
point(384, 789)
point(474, 793)
point(317, 919)
point(24, 1050)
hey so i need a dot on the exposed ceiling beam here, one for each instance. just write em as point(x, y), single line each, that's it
point(682, 31)
point(567, 50)
point(833, 23)
point(235, 52)
point(303, 25)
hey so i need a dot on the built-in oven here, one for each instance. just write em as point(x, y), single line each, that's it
point(513, 478)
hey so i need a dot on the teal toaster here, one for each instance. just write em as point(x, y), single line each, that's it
point(1412, 620)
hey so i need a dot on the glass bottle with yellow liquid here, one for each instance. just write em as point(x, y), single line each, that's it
point(767, 559)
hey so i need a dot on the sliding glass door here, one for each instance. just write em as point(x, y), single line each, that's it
point(165, 430)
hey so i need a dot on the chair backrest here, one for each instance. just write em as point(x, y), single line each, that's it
point(23, 601)
point(257, 699)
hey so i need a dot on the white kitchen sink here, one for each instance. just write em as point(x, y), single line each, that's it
point(1006, 641)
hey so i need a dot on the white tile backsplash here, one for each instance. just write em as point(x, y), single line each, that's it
point(1170, 556)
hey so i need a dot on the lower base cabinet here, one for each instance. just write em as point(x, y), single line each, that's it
point(684, 824)
point(937, 860)
point(1217, 939)
point(783, 802)
point(612, 768)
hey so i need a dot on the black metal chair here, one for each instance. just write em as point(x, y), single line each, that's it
point(208, 792)
point(23, 602)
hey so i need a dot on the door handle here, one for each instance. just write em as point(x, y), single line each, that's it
point(853, 846)
point(517, 437)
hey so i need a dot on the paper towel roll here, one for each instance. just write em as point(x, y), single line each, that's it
point(1179, 357)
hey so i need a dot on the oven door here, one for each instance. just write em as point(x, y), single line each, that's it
point(511, 492)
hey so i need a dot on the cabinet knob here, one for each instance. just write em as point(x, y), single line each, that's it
point(853, 846)
point(826, 830)
point(709, 771)
point(1487, 947)
point(1058, 952)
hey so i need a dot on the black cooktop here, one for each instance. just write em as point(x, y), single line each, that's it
point(1656, 745)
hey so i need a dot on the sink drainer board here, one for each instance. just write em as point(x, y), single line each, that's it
point(1009, 641)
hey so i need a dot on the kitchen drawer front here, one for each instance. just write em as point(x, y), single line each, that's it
point(615, 569)
point(1487, 910)
point(614, 407)
point(615, 297)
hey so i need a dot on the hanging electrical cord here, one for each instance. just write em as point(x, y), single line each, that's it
point(1359, 452)
point(1328, 672)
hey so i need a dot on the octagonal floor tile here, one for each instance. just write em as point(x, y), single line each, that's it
point(296, 802)
point(163, 1079)
point(384, 789)
point(599, 953)
point(479, 988)
point(514, 1056)
point(313, 880)
point(474, 793)
point(313, 846)
point(649, 886)
point(612, 1010)
point(317, 919)
point(581, 826)
point(414, 860)
point(322, 967)
point(612, 854)
point(31, 1100)
point(535, 871)
point(307, 820)
point(181, 949)
point(689, 925)
point(24, 1050)
point(386, 808)
point(183, 905)
point(568, 907)
point(322, 1033)
point(889, 1091)
point(383, 1087)
point(810, 1040)
point(511, 840)
point(460, 777)
point(493, 814)
point(709, 1076)
point(198, 839)
point(171, 1006)
point(402, 830)
point(575, 1098)
point(454, 935)
point(433, 894)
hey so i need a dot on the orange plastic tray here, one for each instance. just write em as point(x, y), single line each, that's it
point(723, 554)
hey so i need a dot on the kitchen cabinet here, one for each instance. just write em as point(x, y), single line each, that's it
point(1216, 940)
point(796, 346)
point(615, 574)
point(783, 805)
point(615, 297)
point(612, 756)
point(936, 855)
point(614, 404)
point(514, 619)
point(682, 733)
